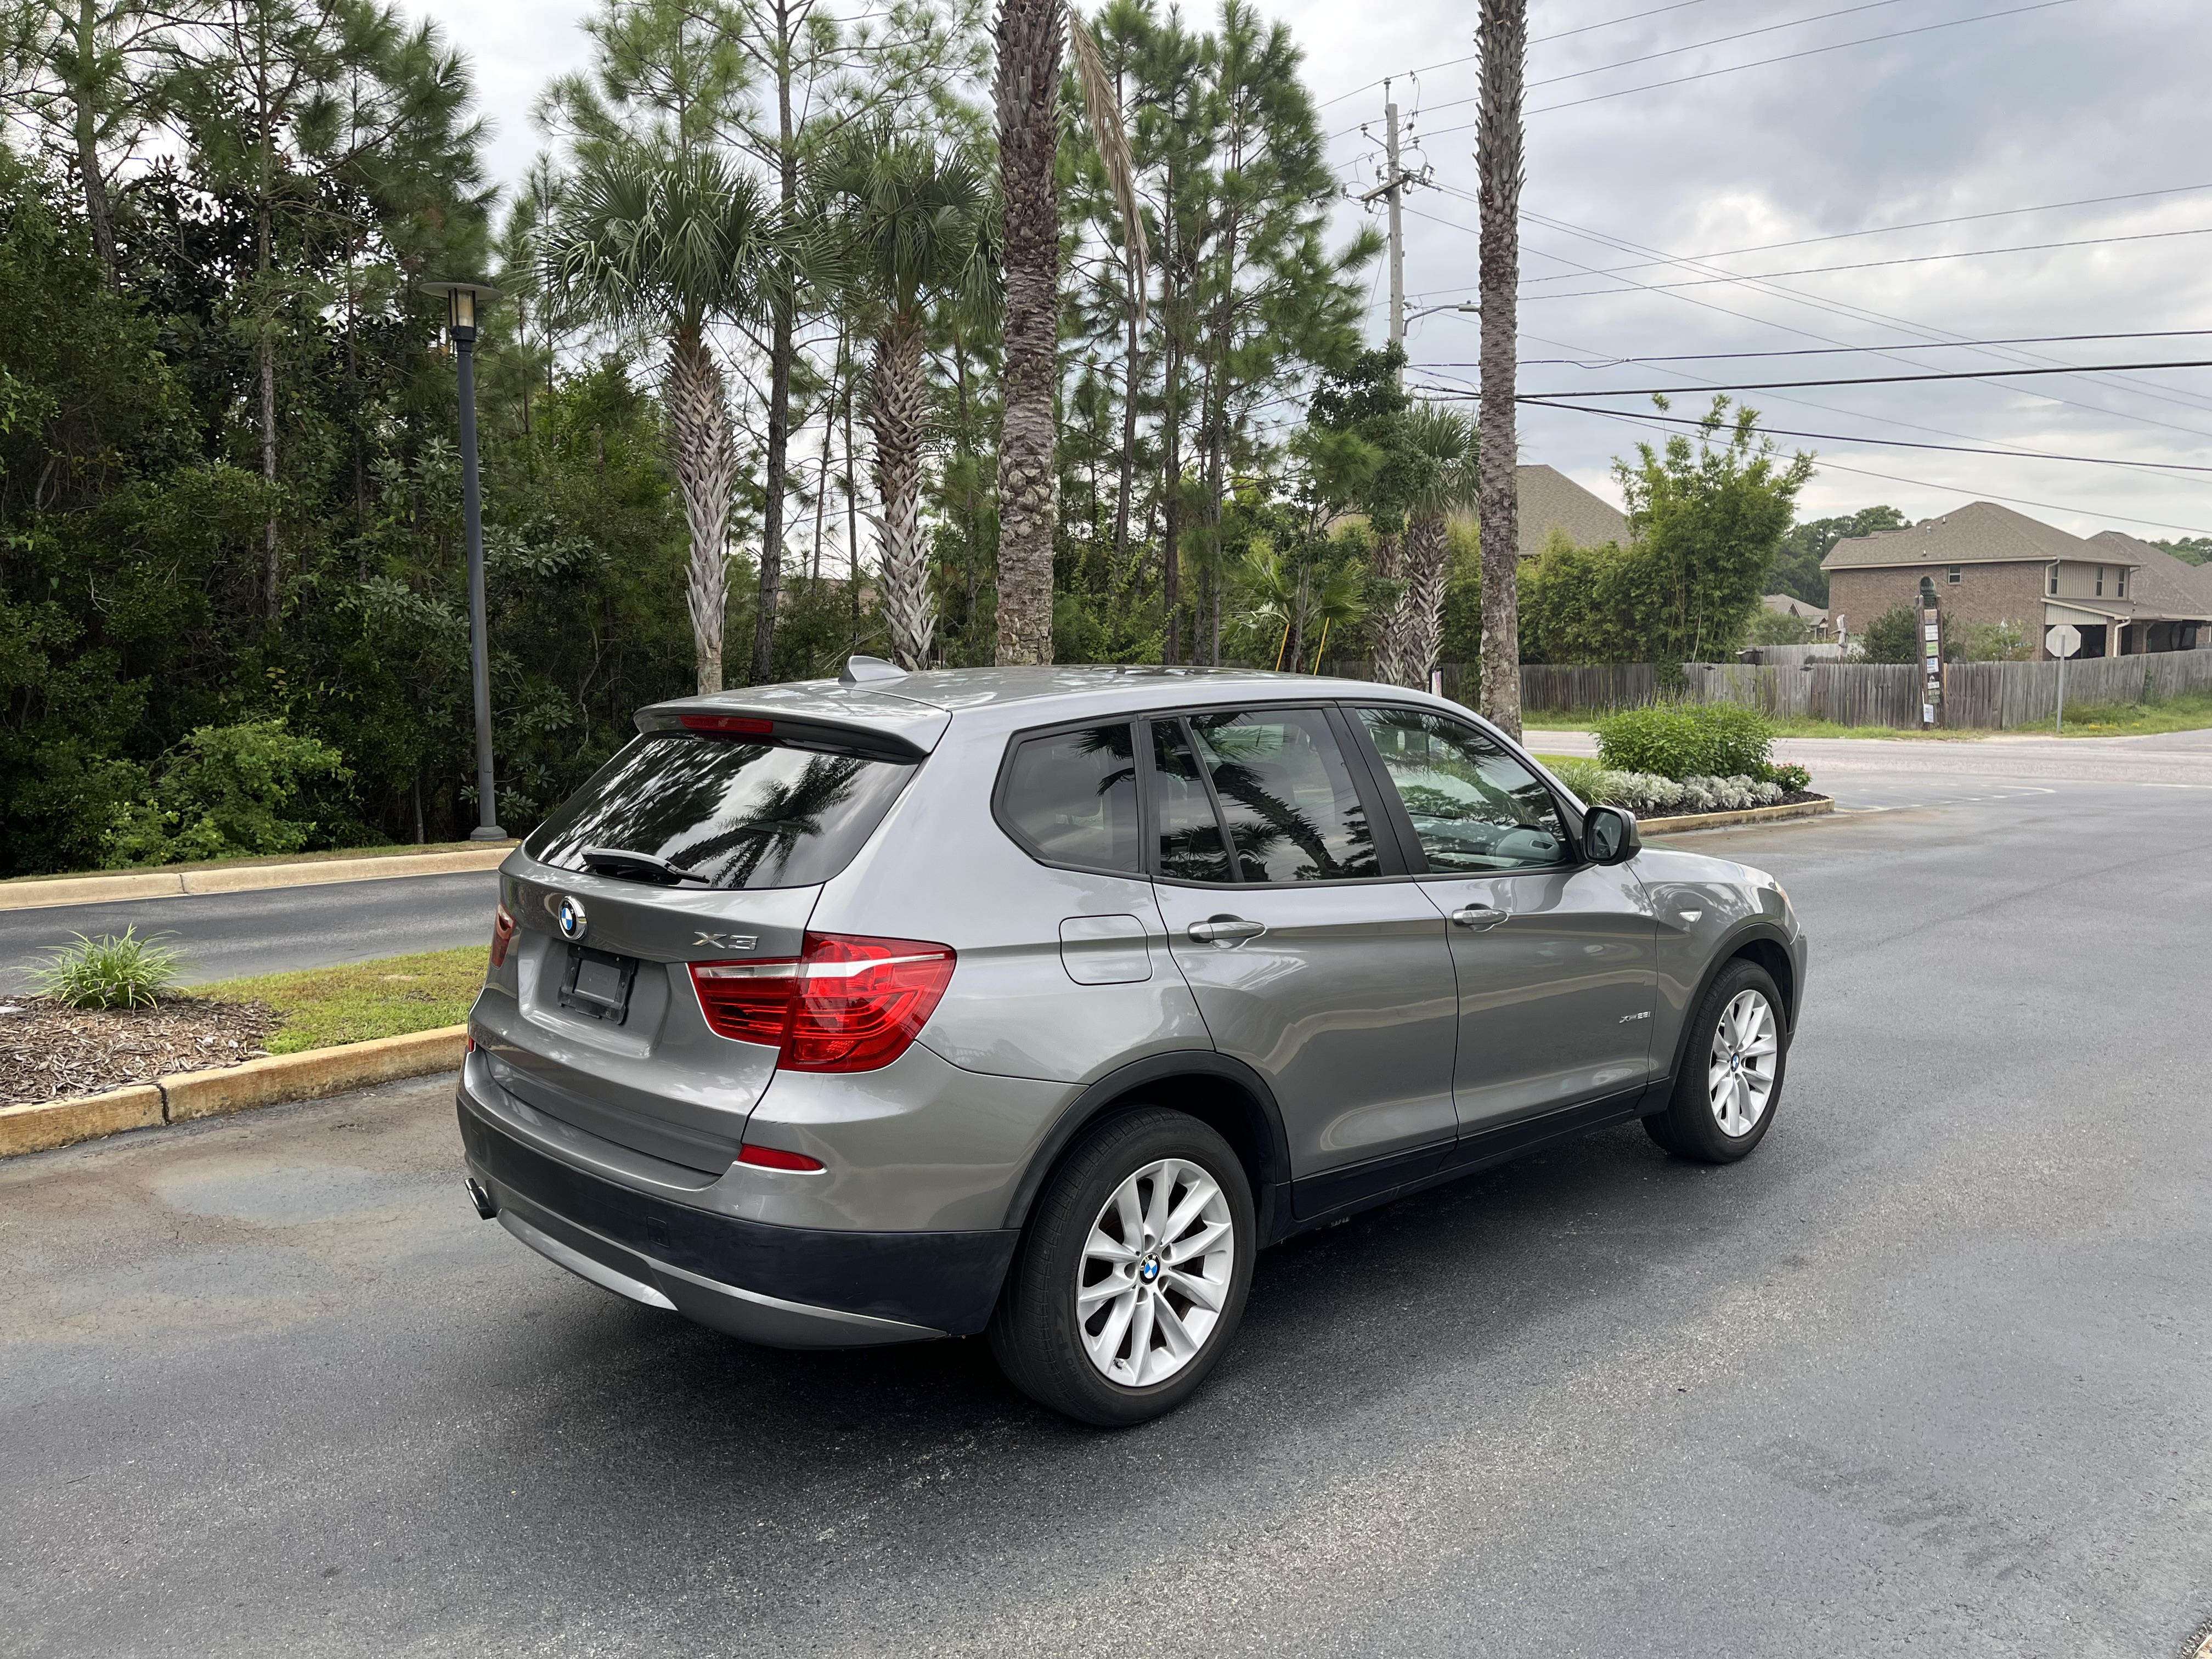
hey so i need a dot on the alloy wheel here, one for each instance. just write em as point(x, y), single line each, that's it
point(1746, 1046)
point(1155, 1273)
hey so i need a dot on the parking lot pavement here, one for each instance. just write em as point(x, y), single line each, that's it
point(1926, 1375)
point(224, 935)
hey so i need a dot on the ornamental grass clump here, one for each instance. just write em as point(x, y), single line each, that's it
point(109, 972)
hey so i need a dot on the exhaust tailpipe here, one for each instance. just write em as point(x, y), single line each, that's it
point(480, 1195)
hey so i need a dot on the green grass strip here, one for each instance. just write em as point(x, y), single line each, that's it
point(325, 1007)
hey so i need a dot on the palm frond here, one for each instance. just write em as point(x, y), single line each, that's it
point(1104, 110)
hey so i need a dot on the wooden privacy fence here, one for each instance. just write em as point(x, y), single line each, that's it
point(1984, 695)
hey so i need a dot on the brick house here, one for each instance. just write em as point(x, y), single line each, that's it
point(1991, 564)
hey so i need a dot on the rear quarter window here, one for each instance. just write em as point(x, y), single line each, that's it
point(730, 813)
point(1071, 798)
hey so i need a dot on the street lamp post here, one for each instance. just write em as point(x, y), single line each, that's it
point(461, 301)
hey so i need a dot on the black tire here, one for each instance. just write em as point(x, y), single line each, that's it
point(1690, 1126)
point(1036, 1332)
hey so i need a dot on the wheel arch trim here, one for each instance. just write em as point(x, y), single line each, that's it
point(1752, 931)
point(1115, 1088)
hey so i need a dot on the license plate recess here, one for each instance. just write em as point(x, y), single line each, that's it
point(596, 984)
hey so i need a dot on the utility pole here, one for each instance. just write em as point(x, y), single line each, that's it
point(1395, 182)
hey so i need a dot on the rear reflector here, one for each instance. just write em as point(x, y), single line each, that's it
point(503, 935)
point(735, 725)
point(846, 1005)
point(775, 1158)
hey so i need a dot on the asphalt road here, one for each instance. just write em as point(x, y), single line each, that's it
point(224, 935)
point(1929, 1373)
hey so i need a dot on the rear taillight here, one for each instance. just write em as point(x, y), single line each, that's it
point(503, 935)
point(846, 1005)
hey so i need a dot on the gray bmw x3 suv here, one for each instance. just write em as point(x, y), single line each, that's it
point(1036, 1001)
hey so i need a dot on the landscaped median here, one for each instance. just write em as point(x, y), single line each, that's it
point(249, 875)
point(283, 1037)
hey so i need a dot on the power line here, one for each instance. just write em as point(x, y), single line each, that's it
point(1633, 419)
point(1788, 56)
point(1884, 230)
point(1878, 264)
point(1848, 438)
point(1451, 63)
point(1888, 380)
point(1828, 351)
point(1698, 45)
point(1834, 307)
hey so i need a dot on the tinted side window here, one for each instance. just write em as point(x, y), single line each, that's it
point(731, 814)
point(1191, 848)
point(1475, 809)
point(1072, 797)
point(1292, 811)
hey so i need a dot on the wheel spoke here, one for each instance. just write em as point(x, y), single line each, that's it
point(1202, 1193)
point(1202, 1243)
point(1105, 1248)
point(1203, 1291)
point(1105, 1290)
point(1140, 1339)
point(1131, 1213)
point(1156, 1212)
point(1181, 1344)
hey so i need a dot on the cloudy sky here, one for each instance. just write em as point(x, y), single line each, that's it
point(1717, 191)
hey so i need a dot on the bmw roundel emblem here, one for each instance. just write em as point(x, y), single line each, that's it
point(574, 923)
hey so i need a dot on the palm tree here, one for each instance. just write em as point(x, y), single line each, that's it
point(1408, 637)
point(1499, 166)
point(1027, 93)
point(909, 223)
point(670, 243)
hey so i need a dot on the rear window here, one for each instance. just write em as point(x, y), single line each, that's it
point(726, 813)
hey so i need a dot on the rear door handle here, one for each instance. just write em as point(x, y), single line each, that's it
point(1226, 931)
point(1480, 917)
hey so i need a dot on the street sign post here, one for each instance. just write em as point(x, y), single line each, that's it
point(2062, 641)
point(1931, 653)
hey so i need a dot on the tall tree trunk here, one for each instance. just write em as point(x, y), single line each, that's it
point(775, 464)
point(97, 214)
point(705, 454)
point(266, 353)
point(1171, 498)
point(898, 407)
point(1027, 92)
point(1387, 630)
point(1421, 611)
point(1128, 479)
point(1502, 170)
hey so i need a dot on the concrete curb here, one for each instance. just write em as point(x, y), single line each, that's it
point(268, 1082)
point(241, 879)
point(1803, 809)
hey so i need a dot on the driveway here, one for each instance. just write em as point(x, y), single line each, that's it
point(1927, 1374)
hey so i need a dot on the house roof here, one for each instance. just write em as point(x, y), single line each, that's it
point(1789, 605)
point(1549, 497)
point(2164, 585)
point(1980, 532)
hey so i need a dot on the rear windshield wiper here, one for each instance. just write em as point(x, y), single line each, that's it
point(615, 861)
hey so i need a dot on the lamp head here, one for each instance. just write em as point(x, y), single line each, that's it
point(463, 301)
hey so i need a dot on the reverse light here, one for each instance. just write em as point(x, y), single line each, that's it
point(845, 1004)
point(734, 725)
point(503, 935)
point(775, 1158)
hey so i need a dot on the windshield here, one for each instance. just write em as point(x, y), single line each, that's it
point(710, 811)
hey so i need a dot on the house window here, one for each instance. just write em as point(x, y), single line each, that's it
point(2054, 581)
point(2101, 581)
point(2122, 590)
point(1951, 575)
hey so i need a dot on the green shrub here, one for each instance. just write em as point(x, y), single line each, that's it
point(1791, 778)
point(227, 790)
point(1893, 637)
point(109, 972)
point(1681, 740)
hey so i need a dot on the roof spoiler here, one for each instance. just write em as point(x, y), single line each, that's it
point(785, 731)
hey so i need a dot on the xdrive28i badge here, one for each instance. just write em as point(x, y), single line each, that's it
point(568, 915)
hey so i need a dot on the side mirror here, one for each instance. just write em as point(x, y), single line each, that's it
point(1609, 835)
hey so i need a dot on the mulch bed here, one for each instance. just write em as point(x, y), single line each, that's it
point(1790, 799)
point(48, 1052)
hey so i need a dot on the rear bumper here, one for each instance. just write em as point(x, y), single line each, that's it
point(785, 1287)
